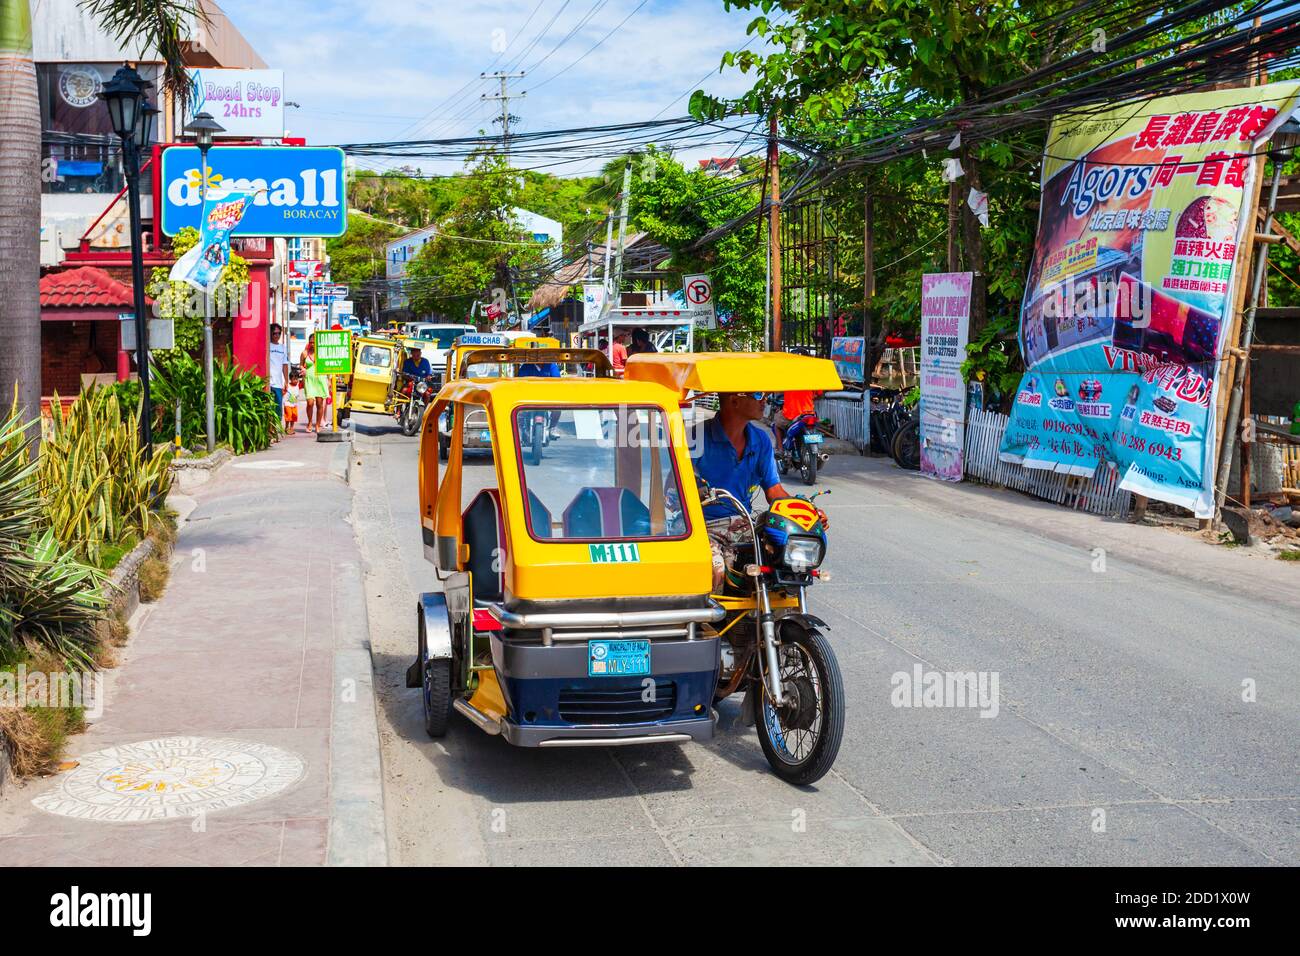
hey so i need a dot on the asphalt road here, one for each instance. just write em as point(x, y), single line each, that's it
point(1121, 733)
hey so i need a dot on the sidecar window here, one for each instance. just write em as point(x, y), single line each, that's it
point(604, 474)
point(375, 355)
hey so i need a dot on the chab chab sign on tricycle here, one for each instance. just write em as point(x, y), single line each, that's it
point(333, 353)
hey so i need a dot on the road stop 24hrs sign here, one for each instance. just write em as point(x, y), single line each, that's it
point(334, 353)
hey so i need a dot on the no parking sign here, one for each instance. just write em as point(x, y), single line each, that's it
point(698, 290)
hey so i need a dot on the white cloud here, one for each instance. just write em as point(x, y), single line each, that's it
point(395, 70)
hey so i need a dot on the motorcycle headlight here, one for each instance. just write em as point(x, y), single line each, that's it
point(422, 388)
point(803, 552)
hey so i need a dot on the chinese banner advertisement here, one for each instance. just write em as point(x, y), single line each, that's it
point(1130, 292)
point(945, 327)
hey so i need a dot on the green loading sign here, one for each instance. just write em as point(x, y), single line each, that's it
point(333, 353)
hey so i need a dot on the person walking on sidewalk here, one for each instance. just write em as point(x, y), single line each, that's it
point(292, 395)
point(315, 387)
point(278, 368)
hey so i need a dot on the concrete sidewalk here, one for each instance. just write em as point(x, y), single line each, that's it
point(240, 728)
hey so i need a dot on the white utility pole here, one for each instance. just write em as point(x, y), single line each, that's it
point(622, 232)
point(505, 97)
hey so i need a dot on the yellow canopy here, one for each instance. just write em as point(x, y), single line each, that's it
point(734, 372)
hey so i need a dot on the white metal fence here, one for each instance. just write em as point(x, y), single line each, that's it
point(1099, 494)
point(846, 416)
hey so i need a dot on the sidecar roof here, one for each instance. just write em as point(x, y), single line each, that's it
point(733, 372)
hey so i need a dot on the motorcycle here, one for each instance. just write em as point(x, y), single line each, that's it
point(419, 392)
point(574, 614)
point(895, 428)
point(800, 448)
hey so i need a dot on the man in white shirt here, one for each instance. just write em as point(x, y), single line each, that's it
point(279, 366)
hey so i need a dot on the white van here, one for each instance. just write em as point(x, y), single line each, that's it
point(299, 332)
point(440, 337)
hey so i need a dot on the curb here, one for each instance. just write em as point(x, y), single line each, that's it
point(189, 473)
point(357, 830)
point(124, 591)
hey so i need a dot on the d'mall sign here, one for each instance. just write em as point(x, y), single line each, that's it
point(300, 189)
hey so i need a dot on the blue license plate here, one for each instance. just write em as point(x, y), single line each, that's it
point(813, 438)
point(618, 658)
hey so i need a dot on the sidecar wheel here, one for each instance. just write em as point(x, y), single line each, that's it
point(802, 738)
point(435, 691)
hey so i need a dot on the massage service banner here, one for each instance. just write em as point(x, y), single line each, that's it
point(1130, 290)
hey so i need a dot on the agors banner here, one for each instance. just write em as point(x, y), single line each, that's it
point(1129, 296)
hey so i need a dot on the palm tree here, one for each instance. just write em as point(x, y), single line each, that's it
point(159, 25)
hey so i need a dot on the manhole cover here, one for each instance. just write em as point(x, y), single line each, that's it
point(171, 777)
point(267, 464)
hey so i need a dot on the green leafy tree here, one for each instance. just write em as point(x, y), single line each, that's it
point(183, 304)
point(677, 207)
point(479, 248)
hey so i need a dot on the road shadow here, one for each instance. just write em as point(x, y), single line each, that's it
point(488, 767)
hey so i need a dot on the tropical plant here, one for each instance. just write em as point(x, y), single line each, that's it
point(993, 357)
point(48, 600)
point(159, 25)
point(98, 487)
point(244, 412)
point(20, 505)
point(59, 606)
point(183, 304)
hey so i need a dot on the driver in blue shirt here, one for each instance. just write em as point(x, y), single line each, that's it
point(729, 451)
point(543, 370)
point(416, 366)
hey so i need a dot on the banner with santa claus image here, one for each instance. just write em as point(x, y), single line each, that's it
point(1129, 295)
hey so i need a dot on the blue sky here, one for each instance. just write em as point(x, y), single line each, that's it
point(366, 72)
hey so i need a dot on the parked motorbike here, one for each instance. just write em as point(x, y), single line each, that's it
point(895, 428)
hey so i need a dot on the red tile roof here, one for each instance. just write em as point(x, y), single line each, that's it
point(85, 287)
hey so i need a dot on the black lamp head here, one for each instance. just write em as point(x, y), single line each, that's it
point(122, 95)
point(203, 127)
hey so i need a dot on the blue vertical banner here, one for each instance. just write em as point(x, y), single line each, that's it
point(202, 266)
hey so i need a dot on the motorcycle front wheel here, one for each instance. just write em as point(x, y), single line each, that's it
point(538, 441)
point(411, 419)
point(801, 737)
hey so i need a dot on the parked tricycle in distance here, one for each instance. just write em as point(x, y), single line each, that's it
point(576, 607)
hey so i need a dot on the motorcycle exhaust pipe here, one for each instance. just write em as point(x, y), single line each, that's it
point(824, 457)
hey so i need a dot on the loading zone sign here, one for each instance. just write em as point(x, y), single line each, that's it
point(698, 291)
point(333, 353)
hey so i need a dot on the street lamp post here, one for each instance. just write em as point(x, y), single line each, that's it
point(132, 117)
point(205, 128)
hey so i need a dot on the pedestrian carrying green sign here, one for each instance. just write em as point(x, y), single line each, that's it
point(333, 353)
